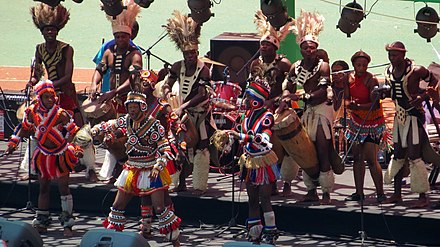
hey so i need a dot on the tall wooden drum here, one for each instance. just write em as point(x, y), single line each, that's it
point(296, 141)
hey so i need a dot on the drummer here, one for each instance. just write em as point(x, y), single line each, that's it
point(118, 58)
point(313, 74)
point(274, 67)
point(193, 76)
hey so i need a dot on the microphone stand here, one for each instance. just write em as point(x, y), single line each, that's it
point(149, 53)
point(29, 205)
point(233, 221)
point(362, 233)
point(248, 62)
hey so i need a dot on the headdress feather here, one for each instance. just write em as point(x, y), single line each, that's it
point(184, 31)
point(270, 33)
point(308, 27)
point(44, 15)
point(124, 21)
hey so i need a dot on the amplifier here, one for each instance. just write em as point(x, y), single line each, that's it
point(9, 104)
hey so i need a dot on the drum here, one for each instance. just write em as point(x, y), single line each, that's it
point(226, 95)
point(94, 112)
point(224, 121)
point(296, 142)
point(190, 132)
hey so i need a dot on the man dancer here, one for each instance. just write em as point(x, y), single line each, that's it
point(274, 68)
point(193, 76)
point(409, 136)
point(118, 59)
point(56, 55)
point(144, 173)
point(313, 74)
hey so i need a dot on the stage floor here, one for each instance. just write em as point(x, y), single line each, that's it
point(391, 223)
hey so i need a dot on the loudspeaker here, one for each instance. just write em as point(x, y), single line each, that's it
point(19, 234)
point(108, 238)
point(234, 50)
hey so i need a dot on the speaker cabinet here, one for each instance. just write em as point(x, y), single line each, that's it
point(235, 50)
point(107, 238)
point(19, 234)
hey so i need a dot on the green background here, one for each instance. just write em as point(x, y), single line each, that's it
point(88, 26)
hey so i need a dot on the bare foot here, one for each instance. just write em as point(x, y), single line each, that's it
point(287, 190)
point(198, 192)
point(176, 243)
point(92, 176)
point(311, 196)
point(179, 188)
point(111, 180)
point(26, 177)
point(326, 199)
point(274, 189)
point(420, 203)
point(393, 199)
point(41, 229)
point(68, 232)
point(146, 234)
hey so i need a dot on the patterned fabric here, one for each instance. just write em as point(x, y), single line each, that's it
point(147, 148)
point(368, 123)
point(258, 163)
point(54, 162)
point(51, 60)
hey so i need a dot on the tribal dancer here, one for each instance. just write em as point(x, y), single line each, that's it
point(274, 68)
point(313, 74)
point(56, 56)
point(366, 125)
point(411, 143)
point(144, 173)
point(160, 110)
point(54, 157)
point(193, 77)
point(258, 163)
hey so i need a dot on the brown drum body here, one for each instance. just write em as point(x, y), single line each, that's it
point(95, 112)
point(191, 134)
point(117, 148)
point(296, 142)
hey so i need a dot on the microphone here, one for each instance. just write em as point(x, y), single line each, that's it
point(381, 89)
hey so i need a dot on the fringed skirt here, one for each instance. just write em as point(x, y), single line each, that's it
point(137, 181)
point(259, 170)
point(53, 166)
point(369, 127)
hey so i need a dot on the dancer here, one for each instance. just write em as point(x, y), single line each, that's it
point(56, 55)
point(313, 74)
point(118, 59)
point(144, 173)
point(54, 157)
point(258, 164)
point(411, 144)
point(160, 110)
point(274, 68)
point(366, 125)
point(193, 77)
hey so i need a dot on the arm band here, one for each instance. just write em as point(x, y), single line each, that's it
point(101, 68)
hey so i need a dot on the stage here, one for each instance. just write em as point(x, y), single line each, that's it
point(392, 224)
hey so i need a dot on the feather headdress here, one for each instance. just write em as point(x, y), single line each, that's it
point(184, 31)
point(269, 33)
point(44, 15)
point(124, 21)
point(308, 27)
